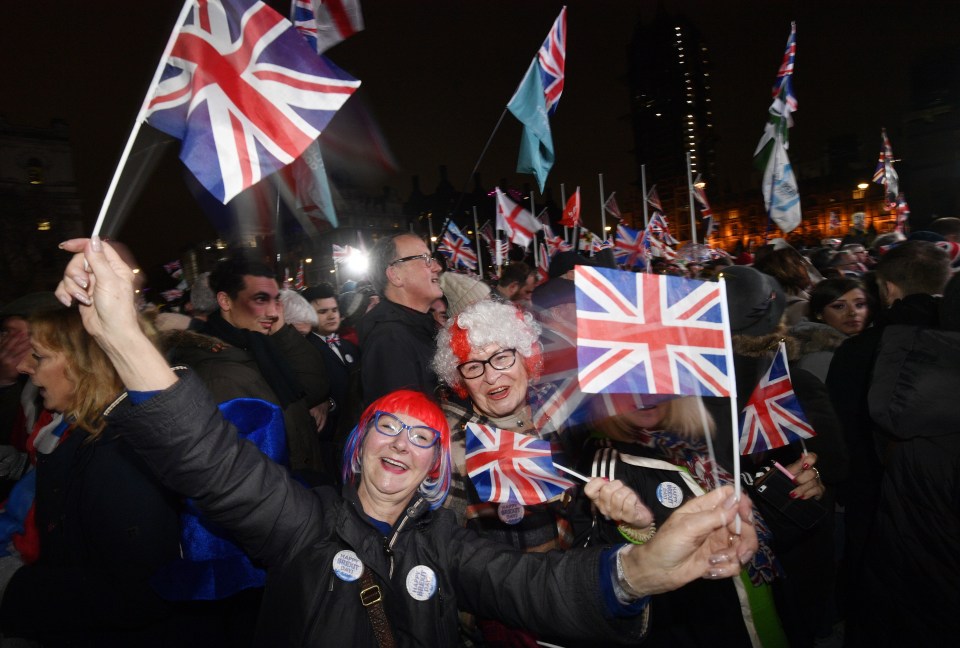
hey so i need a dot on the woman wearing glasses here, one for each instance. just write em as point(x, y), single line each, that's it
point(490, 353)
point(379, 564)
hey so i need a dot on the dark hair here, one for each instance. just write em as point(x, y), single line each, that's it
point(320, 291)
point(787, 267)
point(915, 267)
point(829, 290)
point(228, 276)
point(946, 226)
point(516, 272)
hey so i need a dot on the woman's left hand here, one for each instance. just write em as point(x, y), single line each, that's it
point(618, 502)
point(807, 478)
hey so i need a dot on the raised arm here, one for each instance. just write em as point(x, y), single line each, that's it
point(102, 285)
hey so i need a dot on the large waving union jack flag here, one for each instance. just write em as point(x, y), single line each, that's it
point(508, 467)
point(773, 416)
point(245, 93)
point(651, 334)
point(552, 56)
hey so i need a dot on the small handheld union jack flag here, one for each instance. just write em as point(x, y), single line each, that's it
point(773, 417)
point(651, 334)
point(508, 467)
point(456, 246)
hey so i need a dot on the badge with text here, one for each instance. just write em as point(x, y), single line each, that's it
point(347, 566)
point(669, 494)
point(421, 582)
point(510, 512)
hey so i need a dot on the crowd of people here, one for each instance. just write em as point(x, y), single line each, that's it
point(273, 467)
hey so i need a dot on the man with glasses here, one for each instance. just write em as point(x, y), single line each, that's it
point(397, 336)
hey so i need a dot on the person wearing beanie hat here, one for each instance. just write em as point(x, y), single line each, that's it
point(462, 291)
point(756, 304)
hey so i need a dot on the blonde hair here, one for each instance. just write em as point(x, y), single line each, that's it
point(95, 380)
point(682, 416)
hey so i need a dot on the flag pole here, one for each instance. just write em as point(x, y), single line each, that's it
point(430, 227)
point(732, 378)
point(693, 222)
point(536, 253)
point(476, 238)
point(643, 188)
point(563, 201)
point(141, 116)
point(603, 211)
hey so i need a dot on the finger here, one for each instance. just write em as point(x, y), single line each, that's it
point(74, 245)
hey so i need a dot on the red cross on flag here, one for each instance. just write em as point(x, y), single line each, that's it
point(520, 225)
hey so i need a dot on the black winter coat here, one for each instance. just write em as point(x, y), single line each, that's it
point(105, 524)
point(297, 533)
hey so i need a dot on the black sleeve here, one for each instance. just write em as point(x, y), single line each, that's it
point(389, 362)
point(306, 361)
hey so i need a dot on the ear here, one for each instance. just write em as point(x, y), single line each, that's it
point(393, 277)
point(224, 301)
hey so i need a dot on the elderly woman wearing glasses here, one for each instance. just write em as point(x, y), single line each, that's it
point(380, 564)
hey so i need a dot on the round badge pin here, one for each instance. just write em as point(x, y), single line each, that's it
point(421, 582)
point(669, 494)
point(347, 358)
point(510, 512)
point(347, 566)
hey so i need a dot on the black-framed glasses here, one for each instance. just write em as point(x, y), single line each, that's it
point(389, 425)
point(428, 259)
point(501, 361)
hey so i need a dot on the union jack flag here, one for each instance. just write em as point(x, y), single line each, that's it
point(324, 23)
point(554, 243)
point(601, 245)
point(561, 402)
point(342, 252)
point(552, 56)
point(886, 175)
point(701, 196)
point(245, 93)
point(783, 86)
point(653, 199)
point(508, 467)
point(174, 269)
point(659, 227)
point(543, 267)
point(651, 334)
point(773, 416)
point(611, 206)
point(834, 220)
point(903, 212)
point(456, 247)
point(301, 282)
point(519, 224)
point(630, 249)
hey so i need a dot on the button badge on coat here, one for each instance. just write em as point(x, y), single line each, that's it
point(669, 494)
point(347, 566)
point(421, 582)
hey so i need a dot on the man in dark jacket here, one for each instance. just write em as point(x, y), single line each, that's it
point(248, 319)
point(397, 336)
point(910, 277)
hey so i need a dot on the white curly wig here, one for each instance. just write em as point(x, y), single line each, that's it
point(483, 323)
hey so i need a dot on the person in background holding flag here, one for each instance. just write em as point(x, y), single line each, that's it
point(657, 447)
point(756, 304)
point(325, 550)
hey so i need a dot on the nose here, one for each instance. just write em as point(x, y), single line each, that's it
point(25, 366)
point(490, 375)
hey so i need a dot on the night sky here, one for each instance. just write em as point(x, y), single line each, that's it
point(437, 74)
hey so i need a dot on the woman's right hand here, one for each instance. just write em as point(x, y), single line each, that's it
point(618, 502)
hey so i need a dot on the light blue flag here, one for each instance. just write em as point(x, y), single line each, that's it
point(536, 146)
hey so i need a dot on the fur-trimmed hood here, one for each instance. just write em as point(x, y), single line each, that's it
point(759, 346)
point(816, 336)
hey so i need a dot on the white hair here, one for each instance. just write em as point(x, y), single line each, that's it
point(481, 324)
point(296, 309)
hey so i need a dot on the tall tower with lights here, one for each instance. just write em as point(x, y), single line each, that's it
point(669, 78)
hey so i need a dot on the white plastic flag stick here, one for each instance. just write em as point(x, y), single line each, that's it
point(571, 472)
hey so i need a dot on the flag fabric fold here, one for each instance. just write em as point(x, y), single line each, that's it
point(611, 207)
point(536, 99)
point(571, 212)
point(781, 196)
point(509, 467)
point(520, 225)
point(245, 94)
point(773, 416)
point(324, 23)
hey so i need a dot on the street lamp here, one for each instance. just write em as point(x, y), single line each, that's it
point(863, 186)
